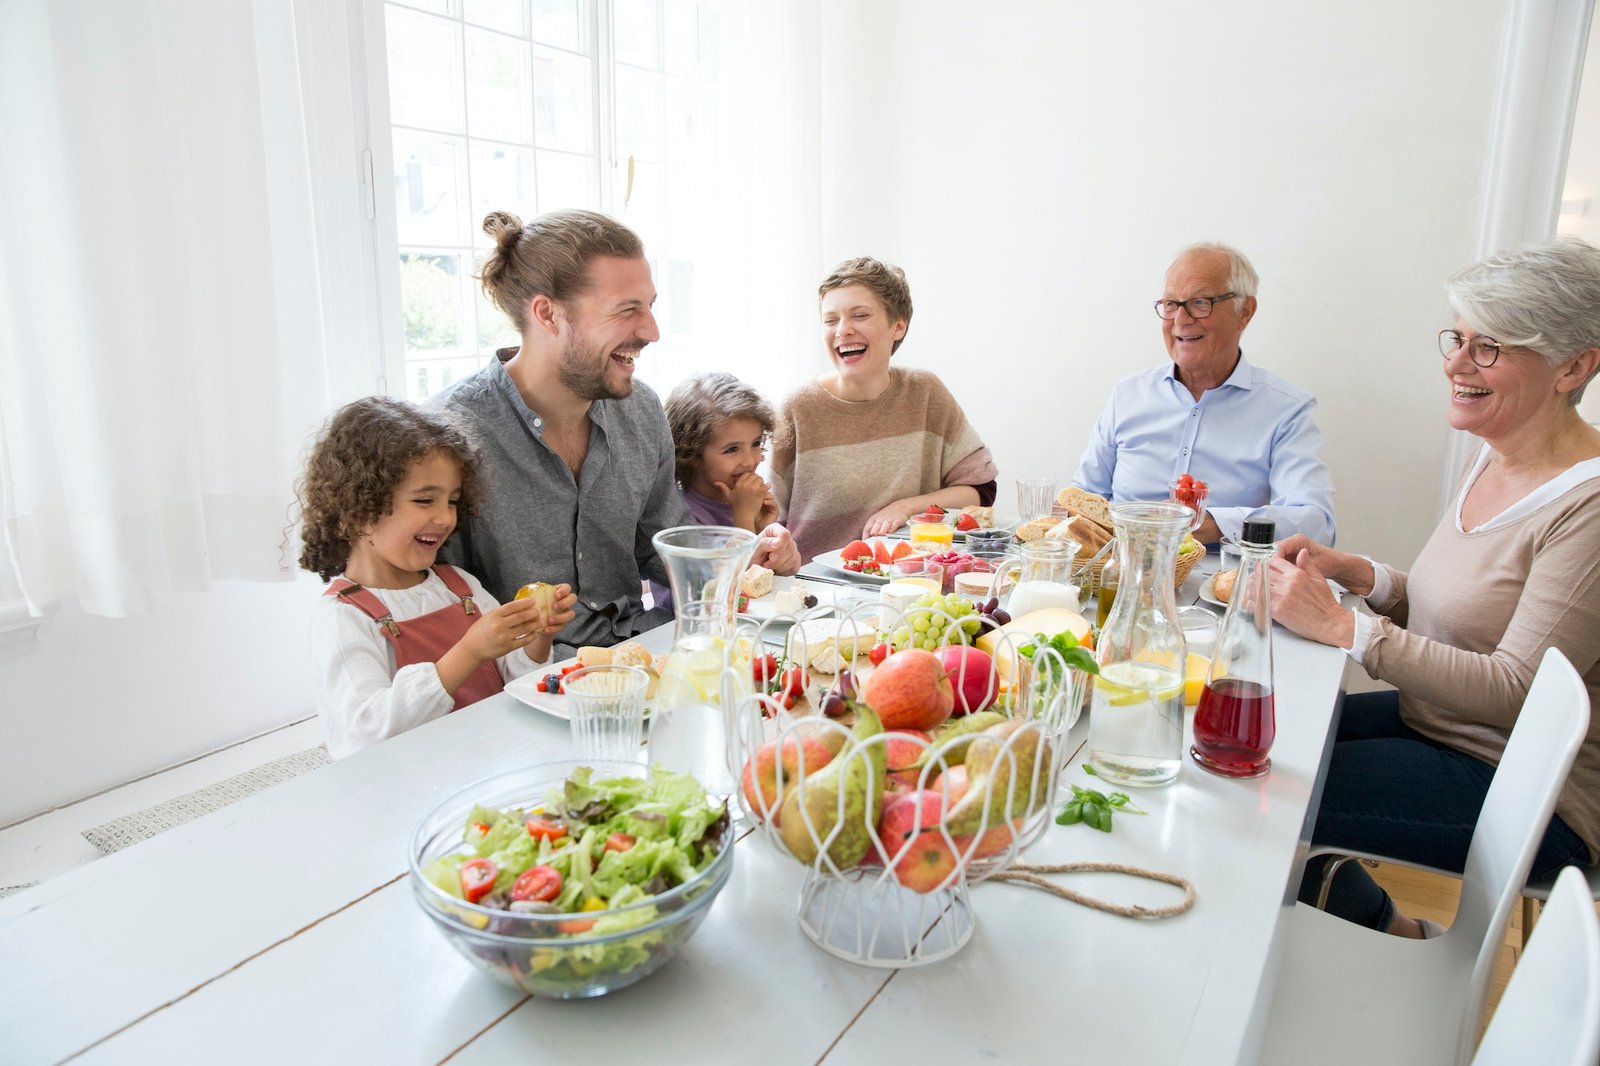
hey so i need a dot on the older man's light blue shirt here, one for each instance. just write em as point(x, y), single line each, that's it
point(1253, 440)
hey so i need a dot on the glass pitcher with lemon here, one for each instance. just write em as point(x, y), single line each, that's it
point(1136, 717)
point(688, 728)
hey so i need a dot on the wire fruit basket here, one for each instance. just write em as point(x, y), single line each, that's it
point(893, 822)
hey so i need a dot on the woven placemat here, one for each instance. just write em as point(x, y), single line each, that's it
point(142, 825)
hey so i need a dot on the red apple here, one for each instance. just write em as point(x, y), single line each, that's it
point(952, 784)
point(993, 841)
point(972, 672)
point(902, 748)
point(762, 771)
point(922, 859)
point(910, 690)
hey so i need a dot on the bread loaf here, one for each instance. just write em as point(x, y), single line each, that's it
point(1222, 585)
point(1089, 537)
point(1037, 528)
point(1097, 509)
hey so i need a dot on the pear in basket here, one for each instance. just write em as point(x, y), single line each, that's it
point(1014, 780)
point(812, 809)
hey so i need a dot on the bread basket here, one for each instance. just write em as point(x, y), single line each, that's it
point(1088, 571)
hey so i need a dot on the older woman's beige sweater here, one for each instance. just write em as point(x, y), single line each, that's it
point(1465, 629)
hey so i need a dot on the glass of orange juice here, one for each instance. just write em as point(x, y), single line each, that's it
point(931, 536)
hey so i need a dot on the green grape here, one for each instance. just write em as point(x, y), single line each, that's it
point(922, 624)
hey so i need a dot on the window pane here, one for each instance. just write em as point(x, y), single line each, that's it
point(680, 22)
point(428, 189)
point(687, 121)
point(494, 326)
point(439, 7)
point(558, 22)
point(561, 108)
point(508, 15)
point(424, 377)
point(430, 295)
point(497, 88)
point(566, 181)
point(502, 180)
point(638, 114)
point(634, 25)
point(641, 211)
point(424, 71)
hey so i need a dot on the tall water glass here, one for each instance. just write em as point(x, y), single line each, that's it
point(606, 705)
point(1035, 496)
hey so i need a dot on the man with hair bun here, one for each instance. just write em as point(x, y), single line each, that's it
point(578, 462)
point(1249, 434)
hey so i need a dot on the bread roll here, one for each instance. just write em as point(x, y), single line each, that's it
point(1222, 585)
point(543, 594)
point(1097, 509)
point(589, 655)
point(630, 653)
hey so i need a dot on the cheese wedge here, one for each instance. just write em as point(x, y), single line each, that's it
point(1018, 631)
point(828, 644)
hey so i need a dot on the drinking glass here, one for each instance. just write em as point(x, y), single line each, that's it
point(606, 705)
point(917, 570)
point(1035, 496)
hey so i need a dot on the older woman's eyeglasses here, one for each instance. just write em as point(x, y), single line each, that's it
point(1197, 306)
point(1481, 350)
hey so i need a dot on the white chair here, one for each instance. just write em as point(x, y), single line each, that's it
point(1345, 992)
point(1550, 1013)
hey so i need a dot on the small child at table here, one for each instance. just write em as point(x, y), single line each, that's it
point(720, 428)
point(398, 638)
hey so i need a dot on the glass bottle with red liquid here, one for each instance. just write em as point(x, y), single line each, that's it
point(1234, 725)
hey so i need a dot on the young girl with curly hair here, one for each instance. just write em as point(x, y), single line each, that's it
point(399, 638)
point(720, 428)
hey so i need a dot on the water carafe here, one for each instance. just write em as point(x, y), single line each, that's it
point(1044, 577)
point(688, 726)
point(1136, 717)
point(1235, 724)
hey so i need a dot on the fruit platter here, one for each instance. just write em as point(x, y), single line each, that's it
point(925, 759)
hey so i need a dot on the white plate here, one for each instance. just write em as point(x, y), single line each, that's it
point(526, 688)
point(765, 608)
point(833, 561)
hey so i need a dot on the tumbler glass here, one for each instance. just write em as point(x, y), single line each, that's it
point(606, 705)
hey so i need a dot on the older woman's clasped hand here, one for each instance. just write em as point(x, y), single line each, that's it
point(1298, 574)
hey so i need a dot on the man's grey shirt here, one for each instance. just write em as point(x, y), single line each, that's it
point(536, 522)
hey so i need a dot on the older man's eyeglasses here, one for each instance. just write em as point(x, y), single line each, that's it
point(1196, 306)
point(1481, 350)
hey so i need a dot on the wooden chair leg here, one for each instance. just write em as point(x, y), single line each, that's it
point(1530, 914)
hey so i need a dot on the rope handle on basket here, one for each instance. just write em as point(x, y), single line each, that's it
point(1031, 875)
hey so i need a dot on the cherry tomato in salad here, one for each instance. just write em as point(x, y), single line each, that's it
point(481, 827)
point(477, 878)
point(764, 668)
point(546, 829)
point(620, 841)
point(540, 884)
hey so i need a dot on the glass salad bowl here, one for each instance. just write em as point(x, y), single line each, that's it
point(587, 949)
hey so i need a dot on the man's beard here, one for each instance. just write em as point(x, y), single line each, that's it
point(588, 377)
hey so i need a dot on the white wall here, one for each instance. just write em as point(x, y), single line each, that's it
point(95, 702)
point(1034, 165)
point(1583, 172)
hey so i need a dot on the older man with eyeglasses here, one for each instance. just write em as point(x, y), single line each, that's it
point(1249, 434)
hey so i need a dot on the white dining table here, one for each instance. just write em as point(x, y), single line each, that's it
point(282, 929)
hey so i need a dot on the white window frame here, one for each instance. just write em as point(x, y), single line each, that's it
point(596, 17)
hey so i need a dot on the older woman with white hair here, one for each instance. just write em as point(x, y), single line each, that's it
point(1512, 569)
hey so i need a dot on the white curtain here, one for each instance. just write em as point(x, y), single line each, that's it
point(161, 340)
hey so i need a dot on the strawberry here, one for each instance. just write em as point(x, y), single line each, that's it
point(935, 510)
point(966, 522)
point(856, 549)
point(880, 553)
point(901, 550)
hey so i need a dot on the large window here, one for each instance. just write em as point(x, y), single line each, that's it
point(527, 106)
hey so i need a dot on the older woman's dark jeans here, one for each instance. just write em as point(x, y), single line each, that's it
point(1392, 791)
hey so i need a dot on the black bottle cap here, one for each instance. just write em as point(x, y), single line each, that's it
point(1258, 531)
